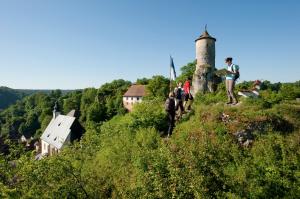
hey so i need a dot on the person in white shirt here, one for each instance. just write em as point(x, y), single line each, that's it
point(232, 70)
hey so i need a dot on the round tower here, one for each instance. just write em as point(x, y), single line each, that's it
point(205, 55)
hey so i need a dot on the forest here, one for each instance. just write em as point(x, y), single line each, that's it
point(122, 155)
point(9, 96)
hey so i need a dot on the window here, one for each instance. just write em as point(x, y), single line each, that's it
point(126, 98)
point(127, 103)
point(131, 98)
point(137, 98)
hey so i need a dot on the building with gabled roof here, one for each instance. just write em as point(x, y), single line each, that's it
point(62, 130)
point(134, 95)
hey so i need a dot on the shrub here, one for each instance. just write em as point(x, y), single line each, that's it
point(149, 114)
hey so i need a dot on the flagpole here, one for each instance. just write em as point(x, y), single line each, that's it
point(170, 86)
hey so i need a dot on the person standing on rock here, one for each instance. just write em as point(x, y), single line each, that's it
point(170, 109)
point(231, 77)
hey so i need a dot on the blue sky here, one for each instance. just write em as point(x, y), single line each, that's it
point(71, 44)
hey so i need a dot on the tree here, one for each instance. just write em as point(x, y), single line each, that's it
point(88, 97)
point(142, 81)
point(158, 87)
point(56, 94)
point(187, 71)
point(111, 94)
point(96, 112)
point(72, 101)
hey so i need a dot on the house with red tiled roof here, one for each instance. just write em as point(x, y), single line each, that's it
point(133, 95)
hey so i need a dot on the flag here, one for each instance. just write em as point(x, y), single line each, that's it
point(172, 69)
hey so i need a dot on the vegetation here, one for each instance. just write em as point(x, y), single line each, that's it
point(8, 96)
point(187, 71)
point(158, 87)
point(123, 156)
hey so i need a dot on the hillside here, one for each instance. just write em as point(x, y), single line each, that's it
point(217, 151)
point(9, 96)
point(30, 115)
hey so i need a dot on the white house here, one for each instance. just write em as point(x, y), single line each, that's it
point(62, 130)
point(133, 95)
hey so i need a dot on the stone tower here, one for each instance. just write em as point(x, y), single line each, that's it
point(203, 79)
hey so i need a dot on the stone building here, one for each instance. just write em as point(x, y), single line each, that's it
point(133, 95)
point(204, 79)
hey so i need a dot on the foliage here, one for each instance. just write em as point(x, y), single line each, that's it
point(187, 71)
point(111, 94)
point(126, 158)
point(9, 96)
point(143, 81)
point(158, 87)
point(149, 114)
point(25, 117)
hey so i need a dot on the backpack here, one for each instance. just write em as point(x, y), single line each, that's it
point(170, 105)
point(237, 75)
point(178, 93)
point(167, 104)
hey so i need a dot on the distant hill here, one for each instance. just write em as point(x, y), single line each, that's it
point(46, 91)
point(9, 96)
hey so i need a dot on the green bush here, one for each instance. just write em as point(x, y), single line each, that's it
point(149, 113)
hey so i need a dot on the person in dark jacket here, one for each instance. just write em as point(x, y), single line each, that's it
point(179, 95)
point(170, 109)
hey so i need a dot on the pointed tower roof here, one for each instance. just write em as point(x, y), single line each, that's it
point(205, 35)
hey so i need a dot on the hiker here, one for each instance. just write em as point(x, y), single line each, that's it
point(188, 97)
point(231, 77)
point(170, 109)
point(178, 98)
